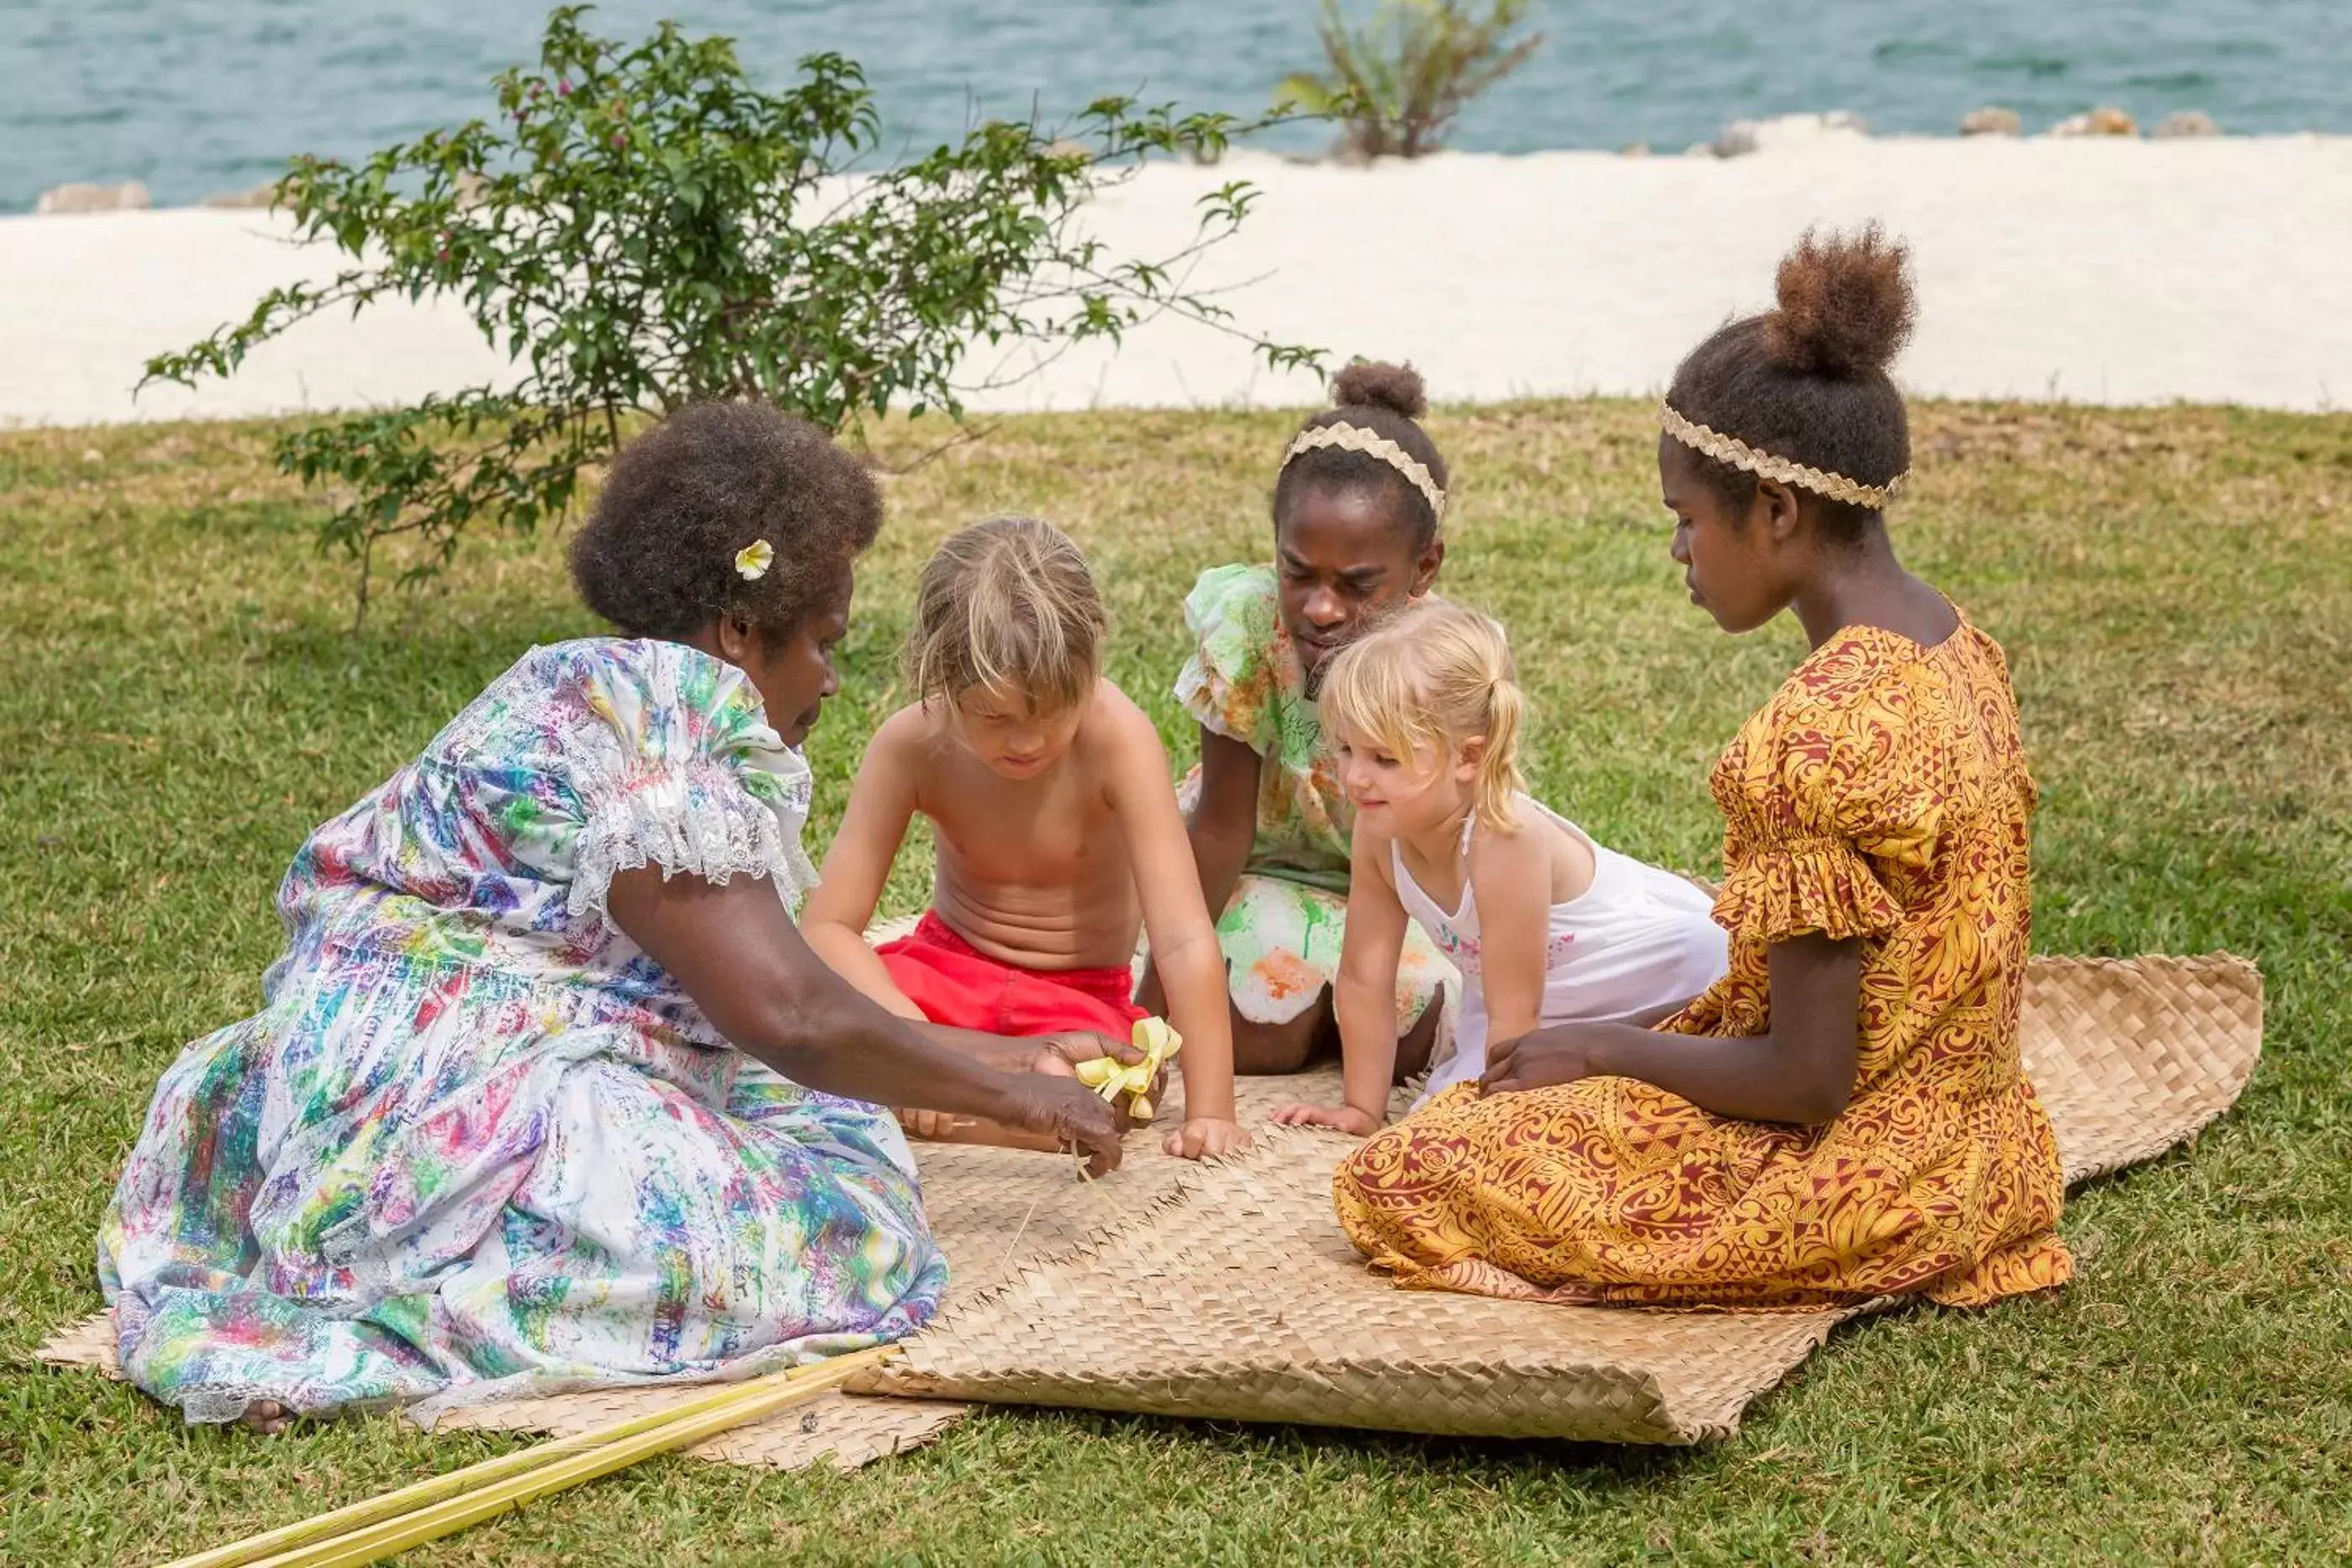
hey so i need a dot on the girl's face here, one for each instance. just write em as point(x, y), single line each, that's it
point(1743, 566)
point(1342, 557)
point(792, 670)
point(1406, 796)
point(1009, 735)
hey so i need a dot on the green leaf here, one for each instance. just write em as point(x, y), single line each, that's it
point(640, 224)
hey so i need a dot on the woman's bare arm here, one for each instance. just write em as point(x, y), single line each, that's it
point(1802, 1072)
point(1224, 821)
point(736, 952)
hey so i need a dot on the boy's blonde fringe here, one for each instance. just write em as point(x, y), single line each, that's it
point(1428, 679)
point(1007, 606)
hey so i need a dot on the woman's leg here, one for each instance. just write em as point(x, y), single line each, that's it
point(210, 1221)
point(1289, 1045)
point(1282, 942)
point(1414, 1046)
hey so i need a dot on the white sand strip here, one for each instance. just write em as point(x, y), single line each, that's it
point(2096, 271)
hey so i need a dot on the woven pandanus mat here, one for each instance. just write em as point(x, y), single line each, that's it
point(1240, 1299)
point(2133, 1056)
point(1228, 1290)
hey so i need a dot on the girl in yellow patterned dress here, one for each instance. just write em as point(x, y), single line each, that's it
point(1843, 1116)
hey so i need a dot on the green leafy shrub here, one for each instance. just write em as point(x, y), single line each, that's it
point(1397, 83)
point(642, 227)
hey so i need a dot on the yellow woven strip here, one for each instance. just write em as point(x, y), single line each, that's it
point(1739, 455)
point(372, 1531)
point(1356, 438)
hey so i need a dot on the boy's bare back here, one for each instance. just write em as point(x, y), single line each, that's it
point(1033, 871)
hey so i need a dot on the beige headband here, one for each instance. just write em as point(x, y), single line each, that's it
point(1356, 438)
point(1739, 455)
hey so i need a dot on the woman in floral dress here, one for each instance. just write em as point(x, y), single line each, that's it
point(546, 1091)
point(1843, 1116)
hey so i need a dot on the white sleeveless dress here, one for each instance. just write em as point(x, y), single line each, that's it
point(1636, 940)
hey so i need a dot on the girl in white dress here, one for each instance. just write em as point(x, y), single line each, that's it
point(1546, 924)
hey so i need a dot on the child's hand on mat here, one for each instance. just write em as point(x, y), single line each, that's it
point(1206, 1137)
point(1068, 1112)
point(1345, 1118)
point(1537, 1059)
point(933, 1124)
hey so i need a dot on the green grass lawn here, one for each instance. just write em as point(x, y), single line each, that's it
point(181, 701)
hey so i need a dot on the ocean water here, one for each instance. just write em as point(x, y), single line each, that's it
point(194, 97)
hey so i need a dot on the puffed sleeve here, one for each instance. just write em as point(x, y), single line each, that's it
point(1838, 806)
point(1228, 683)
point(662, 756)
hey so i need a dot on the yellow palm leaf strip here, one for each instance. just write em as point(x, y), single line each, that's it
point(370, 1530)
point(1737, 454)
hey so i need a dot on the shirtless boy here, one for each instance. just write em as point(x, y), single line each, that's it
point(1057, 829)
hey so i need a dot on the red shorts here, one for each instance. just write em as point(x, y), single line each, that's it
point(957, 984)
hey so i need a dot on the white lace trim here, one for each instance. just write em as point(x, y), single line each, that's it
point(653, 824)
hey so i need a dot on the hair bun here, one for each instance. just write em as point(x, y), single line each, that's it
point(1845, 304)
point(1397, 388)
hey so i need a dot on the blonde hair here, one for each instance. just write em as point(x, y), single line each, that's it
point(1007, 606)
point(1427, 679)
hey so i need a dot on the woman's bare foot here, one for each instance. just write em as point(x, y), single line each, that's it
point(267, 1416)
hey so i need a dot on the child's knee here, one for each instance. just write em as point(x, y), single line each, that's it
point(1287, 1046)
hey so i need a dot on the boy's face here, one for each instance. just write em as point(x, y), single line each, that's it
point(1342, 560)
point(1403, 797)
point(1006, 731)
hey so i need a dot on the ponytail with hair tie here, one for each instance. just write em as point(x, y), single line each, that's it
point(1499, 784)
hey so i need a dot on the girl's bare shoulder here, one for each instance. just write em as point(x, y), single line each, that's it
point(1540, 857)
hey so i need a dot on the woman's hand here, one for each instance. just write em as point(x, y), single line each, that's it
point(1541, 1058)
point(1060, 1053)
point(1340, 1118)
point(1070, 1112)
point(1205, 1137)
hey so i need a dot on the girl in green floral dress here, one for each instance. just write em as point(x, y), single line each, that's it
point(1357, 513)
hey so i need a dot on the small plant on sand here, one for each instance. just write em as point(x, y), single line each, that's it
point(642, 227)
point(1396, 83)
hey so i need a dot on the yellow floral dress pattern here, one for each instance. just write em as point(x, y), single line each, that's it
point(1880, 794)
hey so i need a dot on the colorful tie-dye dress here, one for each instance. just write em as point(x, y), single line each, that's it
point(1284, 926)
point(476, 1144)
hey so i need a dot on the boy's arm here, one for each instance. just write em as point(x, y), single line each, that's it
point(858, 864)
point(1364, 997)
point(1221, 828)
point(1191, 967)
